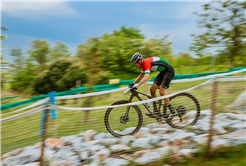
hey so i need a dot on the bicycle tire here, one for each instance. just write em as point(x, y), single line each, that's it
point(197, 105)
point(114, 133)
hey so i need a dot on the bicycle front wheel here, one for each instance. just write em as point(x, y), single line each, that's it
point(119, 124)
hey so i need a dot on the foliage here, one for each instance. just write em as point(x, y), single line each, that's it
point(225, 24)
point(112, 52)
point(59, 51)
point(60, 76)
point(40, 51)
point(19, 59)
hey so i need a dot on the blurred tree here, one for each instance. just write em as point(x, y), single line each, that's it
point(61, 75)
point(40, 52)
point(158, 47)
point(3, 75)
point(225, 25)
point(59, 51)
point(19, 59)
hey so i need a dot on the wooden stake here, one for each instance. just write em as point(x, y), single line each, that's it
point(213, 108)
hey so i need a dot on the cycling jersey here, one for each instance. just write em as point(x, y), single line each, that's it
point(154, 64)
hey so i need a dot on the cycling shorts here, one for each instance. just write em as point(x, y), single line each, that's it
point(164, 78)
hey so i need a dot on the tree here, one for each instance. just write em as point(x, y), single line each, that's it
point(225, 23)
point(59, 51)
point(40, 52)
point(61, 75)
point(19, 59)
point(3, 75)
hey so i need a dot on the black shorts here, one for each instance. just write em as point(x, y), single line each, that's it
point(164, 78)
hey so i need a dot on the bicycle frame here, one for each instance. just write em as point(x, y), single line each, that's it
point(135, 93)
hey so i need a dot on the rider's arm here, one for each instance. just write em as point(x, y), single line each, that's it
point(144, 79)
point(139, 78)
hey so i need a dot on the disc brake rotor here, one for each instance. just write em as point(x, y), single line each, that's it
point(124, 119)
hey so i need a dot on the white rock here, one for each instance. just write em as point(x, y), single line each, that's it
point(126, 140)
point(78, 140)
point(110, 141)
point(144, 129)
point(115, 162)
point(69, 138)
point(149, 157)
point(237, 133)
point(48, 153)
point(64, 153)
point(73, 161)
point(219, 130)
point(152, 125)
point(31, 164)
point(142, 143)
point(103, 153)
point(119, 148)
point(159, 130)
point(236, 116)
point(165, 151)
point(93, 149)
point(238, 126)
point(89, 134)
point(201, 139)
point(217, 143)
point(100, 136)
point(80, 147)
point(84, 155)
point(187, 152)
point(181, 136)
point(155, 140)
point(236, 141)
point(206, 112)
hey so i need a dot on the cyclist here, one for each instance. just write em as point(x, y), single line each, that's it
point(163, 79)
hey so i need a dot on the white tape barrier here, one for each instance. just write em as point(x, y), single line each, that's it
point(90, 94)
point(30, 106)
point(124, 88)
point(33, 111)
point(135, 103)
point(232, 78)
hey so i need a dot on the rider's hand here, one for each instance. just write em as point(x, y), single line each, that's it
point(134, 89)
point(131, 85)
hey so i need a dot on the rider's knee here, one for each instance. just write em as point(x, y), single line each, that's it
point(162, 92)
point(152, 89)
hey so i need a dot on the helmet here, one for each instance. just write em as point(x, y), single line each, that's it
point(136, 57)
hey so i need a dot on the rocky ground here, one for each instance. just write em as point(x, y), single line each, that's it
point(151, 143)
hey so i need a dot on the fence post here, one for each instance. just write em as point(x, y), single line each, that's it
point(44, 125)
point(213, 108)
point(53, 113)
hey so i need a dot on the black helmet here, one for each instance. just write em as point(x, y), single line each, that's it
point(136, 57)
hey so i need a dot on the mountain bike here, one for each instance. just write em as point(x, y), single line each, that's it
point(127, 120)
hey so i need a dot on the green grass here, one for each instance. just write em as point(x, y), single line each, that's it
point(226, 156)
point(25, 131)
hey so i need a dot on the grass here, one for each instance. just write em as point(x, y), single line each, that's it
point(226, 156)
point(25, 131)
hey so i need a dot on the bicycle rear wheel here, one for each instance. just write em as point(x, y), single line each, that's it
point(118, 124)
point(187, 107)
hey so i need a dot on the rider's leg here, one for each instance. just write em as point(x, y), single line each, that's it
point(153, 89)
point(167, 101)
point(165, 85)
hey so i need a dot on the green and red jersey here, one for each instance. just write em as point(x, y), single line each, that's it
point(154, 64)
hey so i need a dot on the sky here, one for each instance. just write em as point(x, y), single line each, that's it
point(72, 22)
